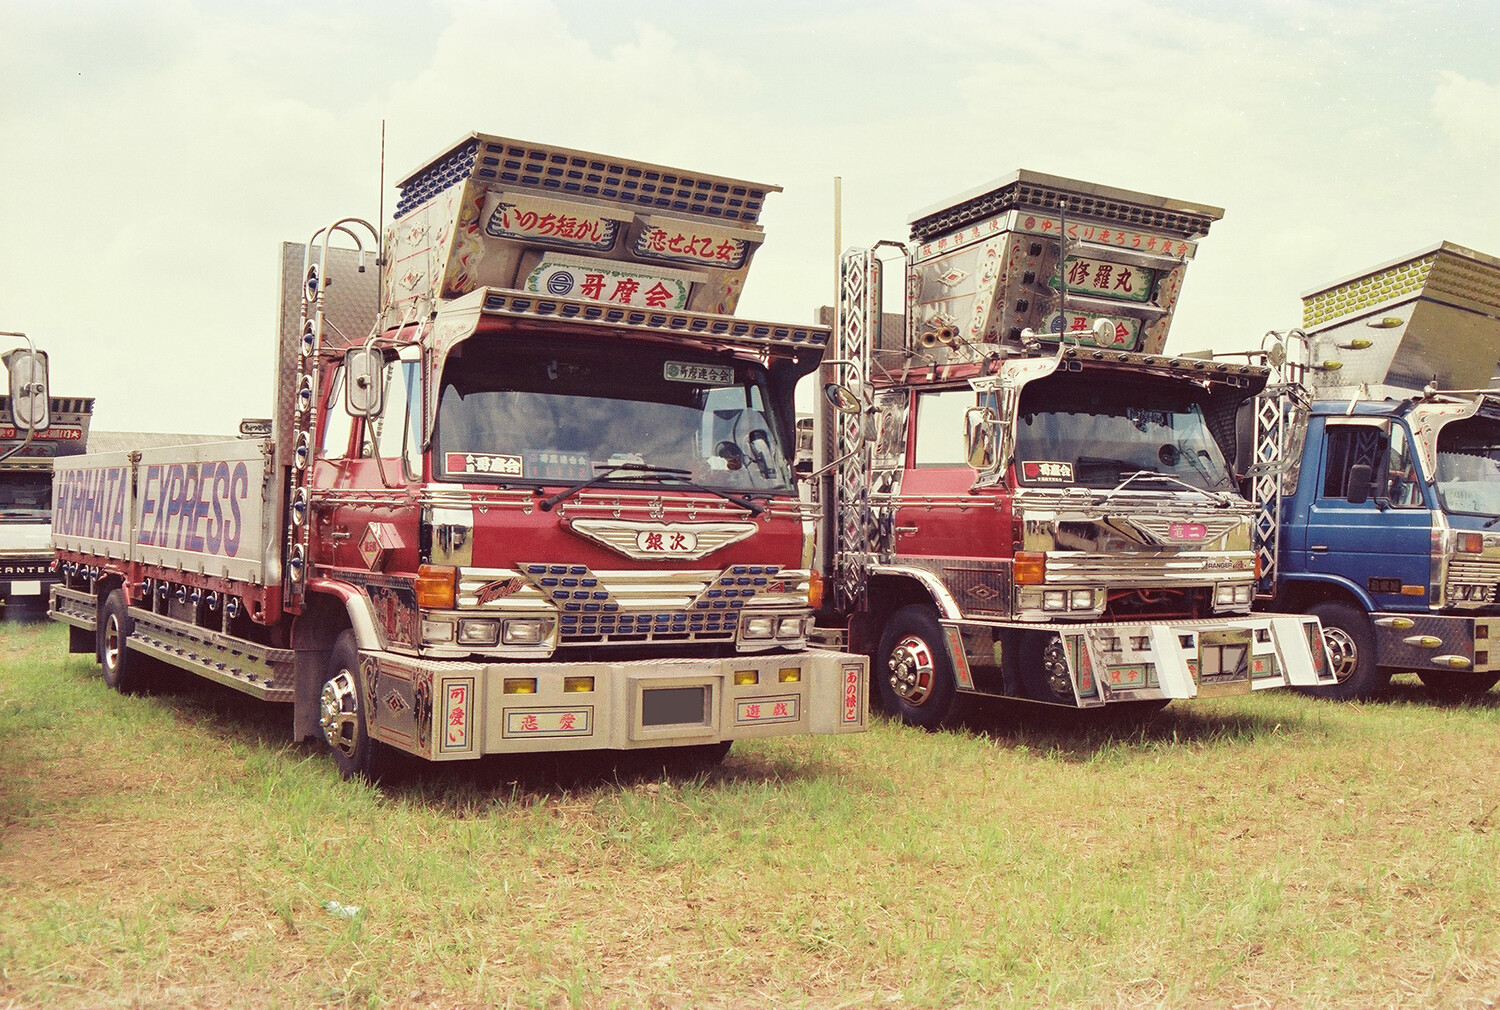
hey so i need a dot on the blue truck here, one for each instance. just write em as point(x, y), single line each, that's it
point(1375, 463)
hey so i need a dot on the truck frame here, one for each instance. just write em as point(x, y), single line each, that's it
point(534, 493)
point(1024, 498)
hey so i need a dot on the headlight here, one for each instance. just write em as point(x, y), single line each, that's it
point(1081, 599)
point(1224, 595)
point(789, 627)
point(757, 627)
point(525, 631)
point(472, 632)
point(1054, 599)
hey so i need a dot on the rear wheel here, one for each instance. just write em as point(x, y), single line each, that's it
point(913, 672)
point(342, 715)
point(1351, 650)
point(124, 670)
point(1454, 684)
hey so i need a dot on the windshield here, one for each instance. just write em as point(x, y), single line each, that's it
point(25, 496)
point(563, 413)
point(1095, 432)
point(1468, 466)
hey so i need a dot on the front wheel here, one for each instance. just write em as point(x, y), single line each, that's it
point(342, 715)
point(913, 673)
point(1351, 650)
point(1453, 684)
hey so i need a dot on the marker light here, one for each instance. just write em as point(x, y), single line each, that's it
point(1030, 568)
point(815, 590)
point(436, 586)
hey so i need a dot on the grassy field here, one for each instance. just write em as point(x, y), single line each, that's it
point(175, 850)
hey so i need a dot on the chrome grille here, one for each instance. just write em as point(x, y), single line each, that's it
point(636, 606)
point(1477, 570)
point(1127, 569)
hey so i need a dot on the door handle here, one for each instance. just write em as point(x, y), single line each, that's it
point(899, 530)
point(1318, 548)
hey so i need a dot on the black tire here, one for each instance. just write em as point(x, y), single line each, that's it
point(1044, 669)
point(913, 672)
point(342, 716)
point(124, 670)
point(1457, 684)
point(1351, 649)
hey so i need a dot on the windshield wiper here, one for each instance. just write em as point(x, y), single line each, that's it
point(744, 503)
point(606, 472)
point(1220, 500)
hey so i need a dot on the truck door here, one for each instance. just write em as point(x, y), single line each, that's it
point(1383, 544)
point(937, 516)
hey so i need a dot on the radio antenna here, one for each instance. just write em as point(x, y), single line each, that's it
point(380, 222)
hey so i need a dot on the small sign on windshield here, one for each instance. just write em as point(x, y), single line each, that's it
point(692, 371)
point(1047, 472)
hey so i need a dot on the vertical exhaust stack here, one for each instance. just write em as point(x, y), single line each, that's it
point(1430, 317)
point(988, 266)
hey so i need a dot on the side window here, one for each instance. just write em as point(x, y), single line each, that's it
point(1349, 446)
point(1399, 483)
point(940, 427)
point(337, 424)
point(394, 433)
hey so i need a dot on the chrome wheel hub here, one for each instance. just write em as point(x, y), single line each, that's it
point(1055, 669)
point(912, 670)
point(340, 713)
point(1342, 651)
point(111, 643)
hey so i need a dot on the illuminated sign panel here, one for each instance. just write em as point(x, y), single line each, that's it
point(610, 283)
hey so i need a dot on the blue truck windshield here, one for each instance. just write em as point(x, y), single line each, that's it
point(525, 413)
point(1083, 431)
point(1468, 466)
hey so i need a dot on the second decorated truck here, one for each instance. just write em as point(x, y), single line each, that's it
point(1023, 496)
point(532, 492)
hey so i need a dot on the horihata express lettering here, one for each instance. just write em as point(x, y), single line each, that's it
point(193, 506)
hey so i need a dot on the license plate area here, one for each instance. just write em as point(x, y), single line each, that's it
point(1224, 661)
point(674, 710)
point(674, 706)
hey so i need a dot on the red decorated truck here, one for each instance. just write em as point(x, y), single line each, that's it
point(1024, 497)
point(532, 491)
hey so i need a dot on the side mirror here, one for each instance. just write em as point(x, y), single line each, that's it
point(29, 407)
point(979, 438)
point(1358, 488)
point(364, 390)
point(842, 397)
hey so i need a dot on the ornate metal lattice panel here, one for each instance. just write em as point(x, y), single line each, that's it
point(857, 320)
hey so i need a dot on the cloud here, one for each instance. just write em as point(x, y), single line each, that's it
point(1469, 113)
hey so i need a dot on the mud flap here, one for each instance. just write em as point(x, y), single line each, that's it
point(1304, 657)
point(1175, 653)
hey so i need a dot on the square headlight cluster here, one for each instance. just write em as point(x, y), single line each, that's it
point(1465, 592)
point(487, 632)
point(1059, 601)
point(1232, 595)
point(765, 627)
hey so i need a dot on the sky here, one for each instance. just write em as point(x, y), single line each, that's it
point(155, 154)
